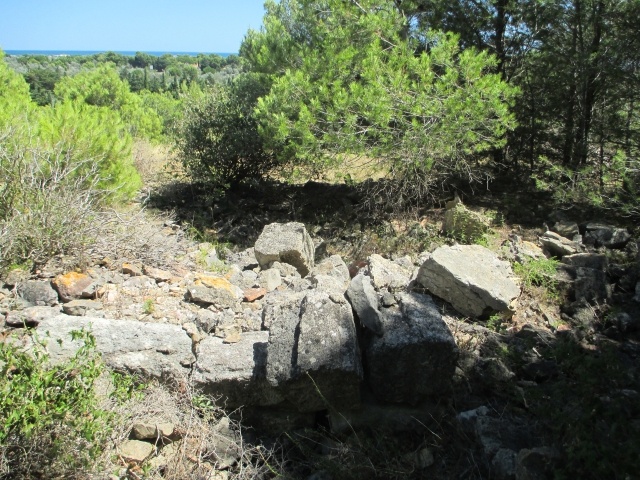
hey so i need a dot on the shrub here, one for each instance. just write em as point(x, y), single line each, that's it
point(219, 141)
point(539, 272)
point(49, 413)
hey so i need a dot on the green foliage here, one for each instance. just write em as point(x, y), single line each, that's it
point(102, 87)
point(539, 272)
point(218, 141)
point(42, 83)
point(148, 306)
point(49, 412)
point(346, 81)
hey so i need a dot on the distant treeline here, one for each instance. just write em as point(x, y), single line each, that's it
point(143, 71)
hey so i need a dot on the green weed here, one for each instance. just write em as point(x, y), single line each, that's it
point(148, 306)
point(540, 272)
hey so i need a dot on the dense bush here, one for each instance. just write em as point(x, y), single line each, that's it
point(218, 141)
point(51, 422)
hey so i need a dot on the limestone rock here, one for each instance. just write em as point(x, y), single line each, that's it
point(131, 269)
point(16, 276)
point(245, 260)
point(152, 431)
point(286, 243)
point(566, 229)
point(214, 290)
point(80, 307)
point(154, 350)
point(558, 245)
point(504, 464)
point(30, 317)
point(157, 274)
point(253, 294)
point(364, 301)
point(417, 355)
point(71, 285)
point(605, 235)
point(136, 451)
point(387, 274)
point(312, 356)
point(270, 279)
point(235, 371)
point(284, 269)
point(334, 267)
point(592, 285)
point(470, 277)
point(587, 260)
point(522, 251)
point(38, 293)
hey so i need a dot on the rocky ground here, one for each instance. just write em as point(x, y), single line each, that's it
point(350, 345)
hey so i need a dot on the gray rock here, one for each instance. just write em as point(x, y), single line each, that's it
point(587, 260)
point(313, 356)
point(136, 451)
point(38, 293)
point(387, 274)
point(326, 283)
point(468, 419)
point(470, 277)
point(333, 267)
point(153, 350)
point(151, 431)
point(522, 251)
point(269, 279)
point(81, 307)
point(215, 291)
point(388, 300)
point(286, 243)
point(417, 355)
point(16, 276)
point(637, 295)
point(364, 301)
point(285, 269)
point(245, 260)
point(235, 371)
point(592, 285)
point(604, 235)
point(206, 320)
point(30, 317)
point(537, 463)
point(625, 322)
point(566, 229)
point(504, 464)
point(244, 278)
point(557, 245)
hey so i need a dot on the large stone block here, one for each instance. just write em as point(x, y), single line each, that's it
point(470, 277)
point(313, 357)
point(149, 349)
point(235, 372)
point(416, 357)
point(286, 243)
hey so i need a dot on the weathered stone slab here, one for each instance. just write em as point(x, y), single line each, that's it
point(312, 356)
point(558, 245)
point(215, 290)
point(286, 243)
point(364, 301)
point(38, 293)
point(150, 349)
point(605, 235)
point(30, 317)
point(587, 260)
point(333, 267)
point(470, 277)
point(566, 229)
point(235, 372)
point(522, 251)
point(416, 357)
point(387, 274)
point(81, 307)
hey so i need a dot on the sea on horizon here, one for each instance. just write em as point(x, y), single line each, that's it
point(93, 52)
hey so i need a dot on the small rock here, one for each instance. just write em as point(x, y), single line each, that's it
point(245, 260)
point(604, 235)
point(38, 293)
point(30, 317)
point(16, 276)
point(587, 260)
point(286, 243)
point(566, 229)
point(522, 251)
point(71, 285)
point(151, 431)
point(536, 464)
point(79, 308)
point(233, 337)
point(625, 322)
point(285, 269)
point(270, 279)
point(386, 274)
point(364, 301)
point(191, 330)
point(157, 274)
point(136, 451)
point(557, 244)
point(131, 269)
point(253, 294)
point(388, 300)
point(424, 459)
point(214, 290)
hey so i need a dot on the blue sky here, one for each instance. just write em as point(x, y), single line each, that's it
point(145, 25)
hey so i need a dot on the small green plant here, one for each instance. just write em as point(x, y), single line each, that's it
point(539, 272)
point(495, 323)
point(148, 306)
point(49, 412)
